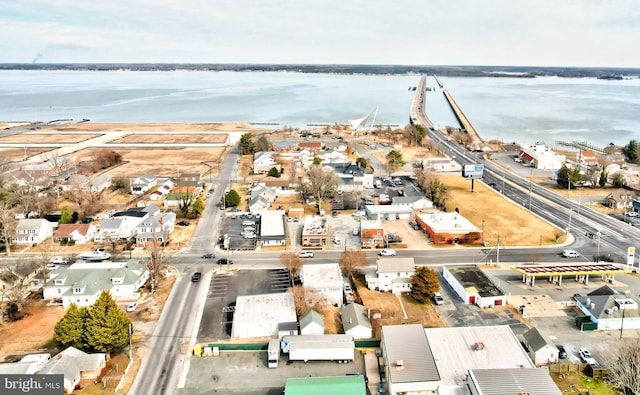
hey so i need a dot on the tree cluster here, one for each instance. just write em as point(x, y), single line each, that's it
point(102, 327)
point(433, 187)
point(424, 284)
point(394, 160)
point(105, 159)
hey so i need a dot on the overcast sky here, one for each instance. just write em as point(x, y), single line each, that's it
point(413, 32)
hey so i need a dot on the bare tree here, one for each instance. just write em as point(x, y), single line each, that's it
point(293, 263)
point(321, 182)
point(8, 223)
point(18, 280)
point(300, 300)
point(433, 187)
point(157, 257)
point(351, 260)
point(624, 363)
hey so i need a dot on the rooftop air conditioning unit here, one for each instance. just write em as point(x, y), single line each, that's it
point(399, 363)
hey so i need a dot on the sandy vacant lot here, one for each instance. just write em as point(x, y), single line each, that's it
point(18, 154)
point(161, 162)
point(173, 138)
point(155, 127)
point(46, 138)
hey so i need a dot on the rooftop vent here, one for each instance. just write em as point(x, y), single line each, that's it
point(478, 346)
point(399, 363)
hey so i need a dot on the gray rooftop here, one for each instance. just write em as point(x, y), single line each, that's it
point(395, 265)
point(310, 317)
point(535, 339)
point(354, 315)
point(514, 381)
point(409, 344)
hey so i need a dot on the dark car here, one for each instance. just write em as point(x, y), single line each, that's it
point(414, 225)
point(207, 256)
point(196, 277)
point(182, 223)
point(223, 261)
point(562, 352)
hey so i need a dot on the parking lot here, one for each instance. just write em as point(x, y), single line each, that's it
point(234, 224)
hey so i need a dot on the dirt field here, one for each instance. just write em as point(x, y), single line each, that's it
point(161, 162)
point(32, 333)
point(46, 138)
point(172, 138)
point(155, 127)
point(17, 154)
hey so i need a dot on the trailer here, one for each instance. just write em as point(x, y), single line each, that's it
point(273, 353)
point(305, 348)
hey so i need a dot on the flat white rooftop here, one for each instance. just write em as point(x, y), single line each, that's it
point(458, 350)
point(448, 222)
point(259, 315)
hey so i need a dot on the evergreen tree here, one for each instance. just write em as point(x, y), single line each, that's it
point(69, 331)
point(604, 177)
point(196, 208)
point(273, 172)
point(630, 151)
point(246, 144)
point(66, 215)
point(424, 284)
point(106, 326)
point(231, 198)
point(394, 160)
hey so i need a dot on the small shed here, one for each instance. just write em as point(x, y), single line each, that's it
point(312, 323)
point(541, 350)
point(355, 321)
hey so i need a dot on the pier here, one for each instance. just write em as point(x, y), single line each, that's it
point(476, 141)
point(440, 84)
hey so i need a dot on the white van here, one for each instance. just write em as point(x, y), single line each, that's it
point(337, 240)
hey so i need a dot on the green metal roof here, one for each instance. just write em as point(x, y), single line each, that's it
point(336, 385)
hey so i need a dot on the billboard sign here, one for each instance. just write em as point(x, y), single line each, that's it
point(473, 172)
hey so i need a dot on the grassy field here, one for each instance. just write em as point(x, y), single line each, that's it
point(490, 211)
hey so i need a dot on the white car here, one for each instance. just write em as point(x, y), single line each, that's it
point(631, 213)
point(337, 241)
point(51, 266)
point(249, 235)
point(305, 254)
point(586, 356)
point(570, 254)
point(132, 307)
point(388, 252)
point(58, 260)
point(437, 297)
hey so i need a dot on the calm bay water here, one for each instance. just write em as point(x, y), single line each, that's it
point(509, 109)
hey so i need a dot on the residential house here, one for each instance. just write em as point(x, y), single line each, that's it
point(85, 183)
point(260, 198)
point(29, 364)
point(33, 231)
point(83, 282)
point(312, 323)
point(264, 161)
point(335, 158)
point(162, 190)
point(473, 286)
point(323, 282)
point(588, 158)
point(79, 233)
point(619, 201)
point(142, 184)
point(541, 350)
point(353, 176)
point(78, 367)
point(391, 274)
point(189, 177)
point(111, 229)
point(155, 228)
point(315, 232)
point(312, 146)
point(283, 146)
point(449, 228)
point(355, 321)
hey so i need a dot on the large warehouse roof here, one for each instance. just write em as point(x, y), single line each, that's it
point(259, 315)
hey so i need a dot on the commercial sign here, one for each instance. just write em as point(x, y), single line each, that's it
point(473, 172)
point(631, 254)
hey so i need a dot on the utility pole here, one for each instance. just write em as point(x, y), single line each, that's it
point(498, 250)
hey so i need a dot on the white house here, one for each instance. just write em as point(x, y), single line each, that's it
point(79, 233)
point(78, 367)
point(83, 282)
point(264, 161)
point(85, 183)
point(415, 202)
point(33, 231)
point(110, 229)
point(355, 321)
point(392, 274)
point(142, 184)
point(541, 350)
point(324, 282)
point(155, 228)
point(312, 323)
